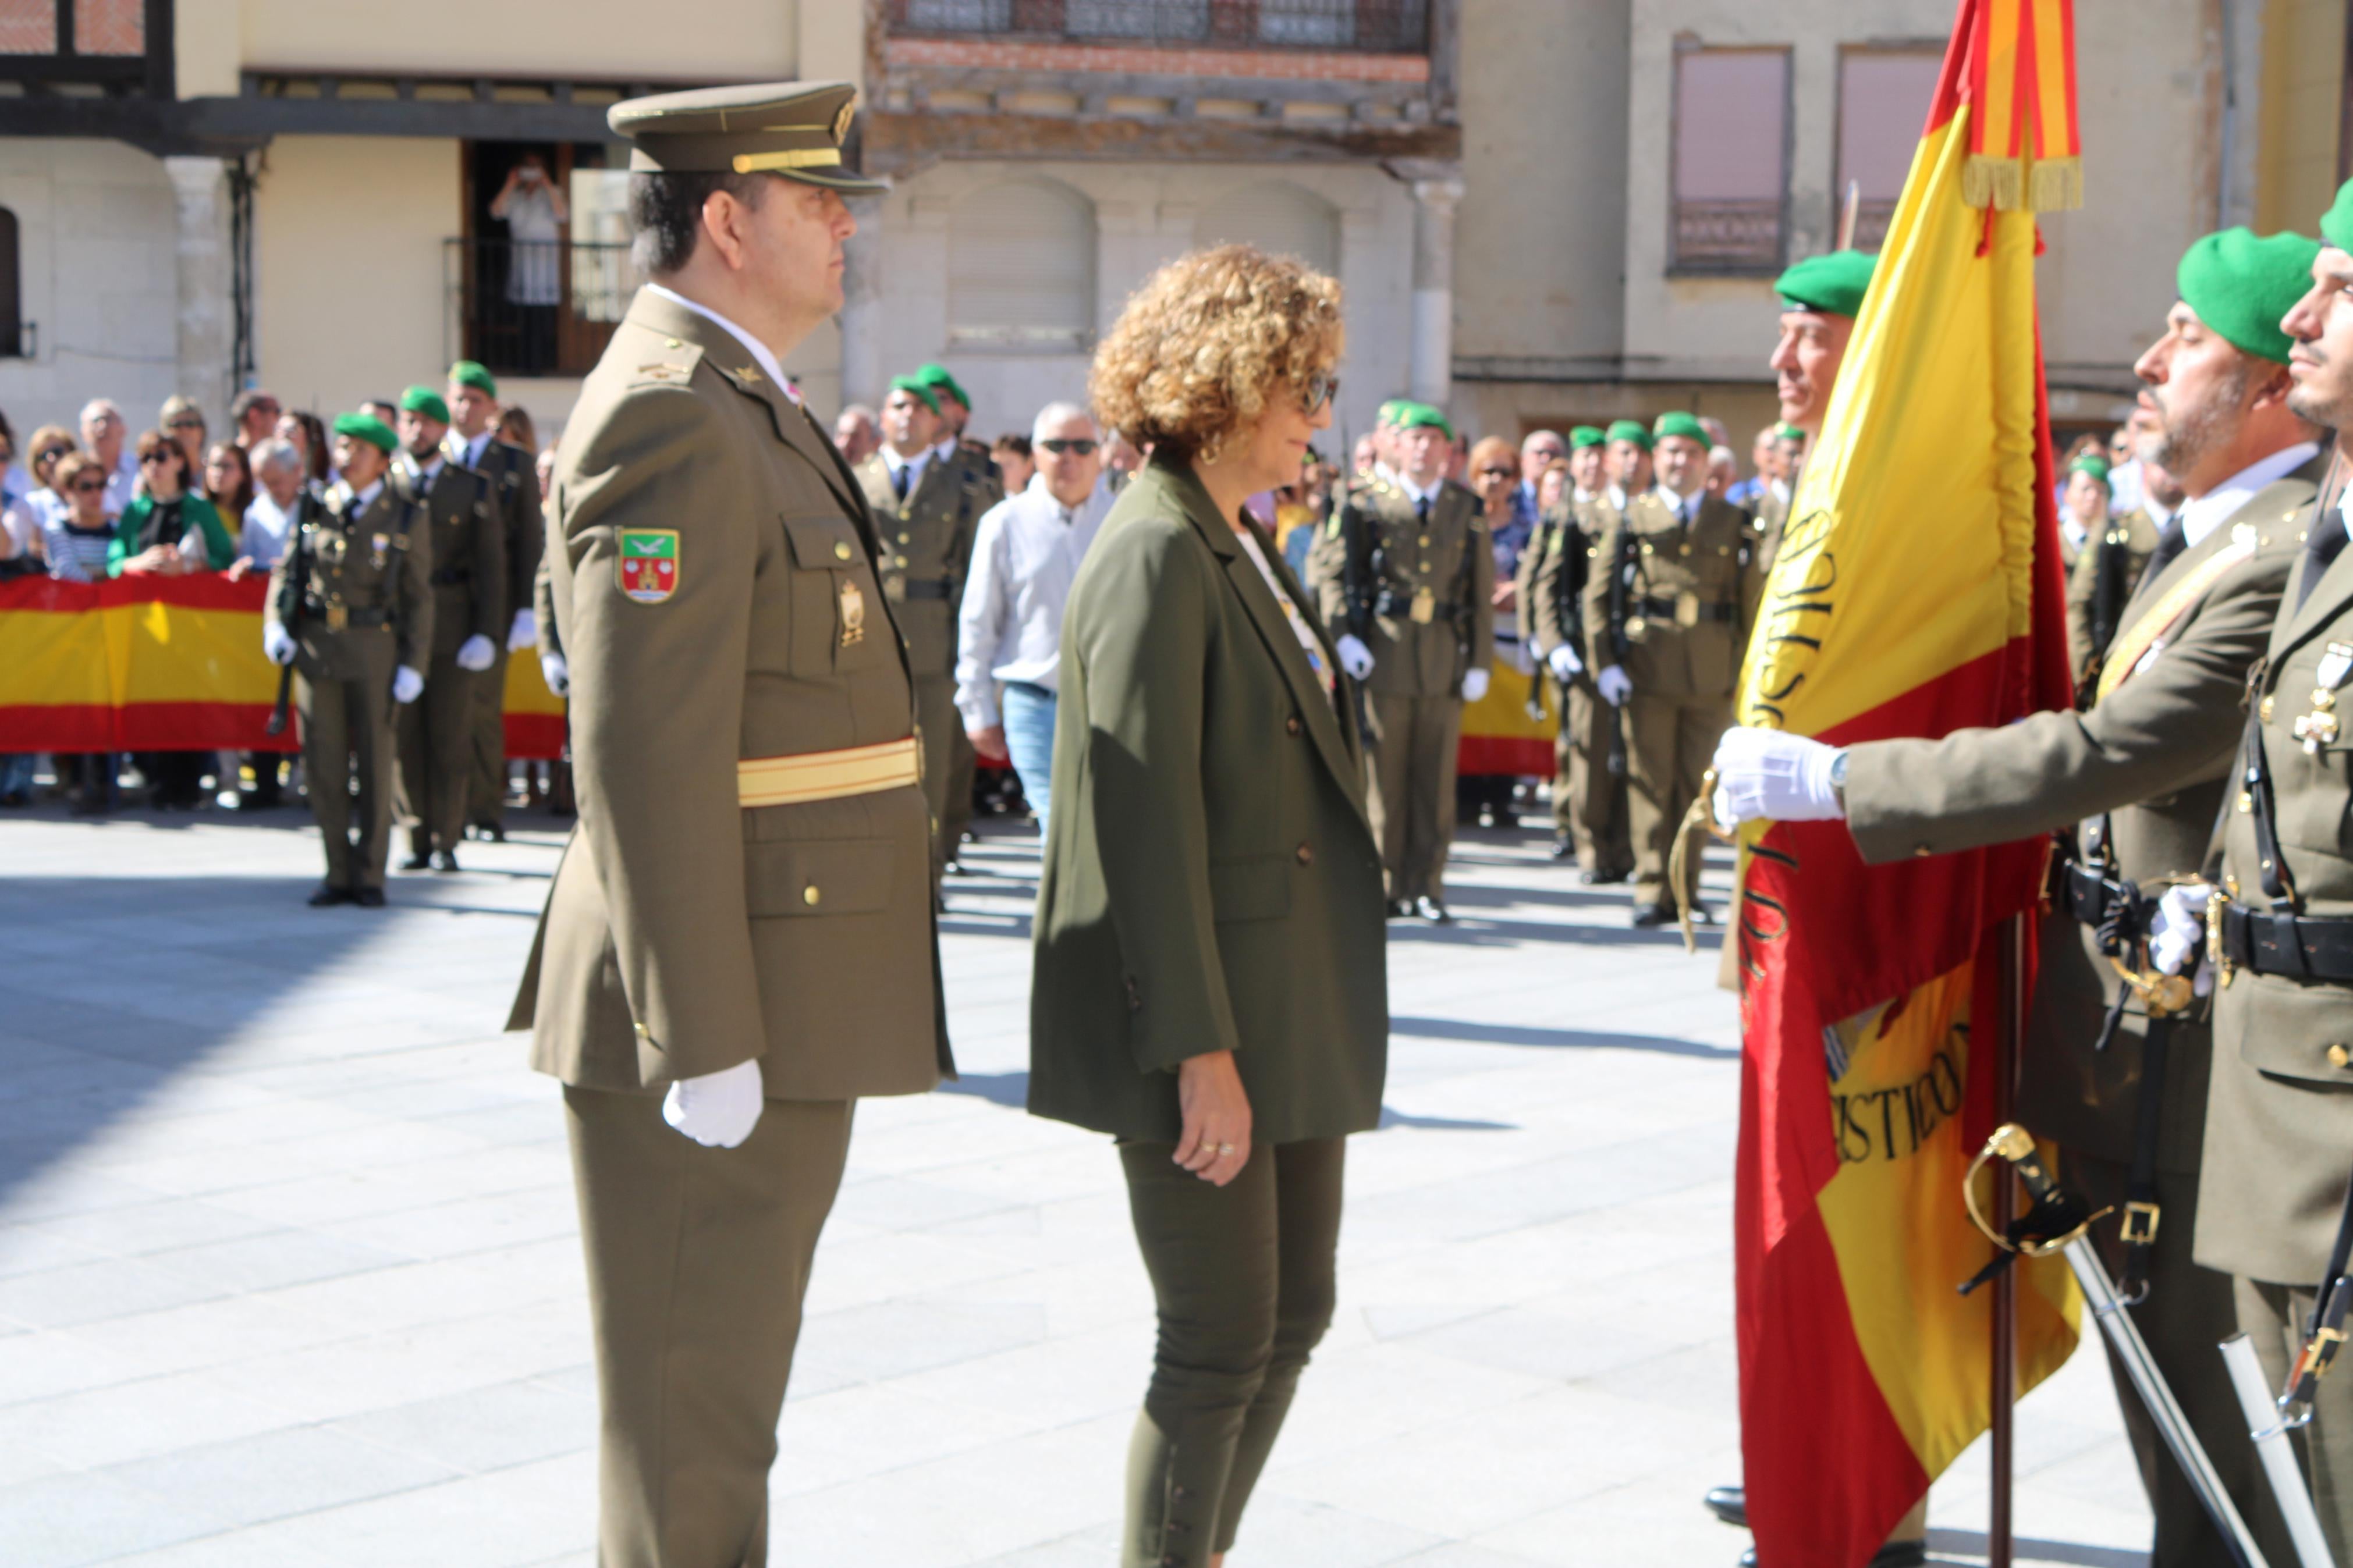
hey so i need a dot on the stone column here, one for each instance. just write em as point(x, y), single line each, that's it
point(861, 306)
point(200, 186)
point(1432, 378)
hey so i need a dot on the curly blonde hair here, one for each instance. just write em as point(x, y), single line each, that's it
point(1208, 337)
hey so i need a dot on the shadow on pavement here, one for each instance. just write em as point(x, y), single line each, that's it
point(1972, 1543)
point(1572, 1039)
point(1012, 1088)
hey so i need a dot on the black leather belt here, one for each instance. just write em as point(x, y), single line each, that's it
point(322, 614)
point(1664, 610)
point(934, 588)
point(2296, 945)
point(452, 577)
point(1393, 604)
point(2086, 895)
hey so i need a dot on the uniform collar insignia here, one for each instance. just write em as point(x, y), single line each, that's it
point(746, 376)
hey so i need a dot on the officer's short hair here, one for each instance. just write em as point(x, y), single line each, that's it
point(666, 212)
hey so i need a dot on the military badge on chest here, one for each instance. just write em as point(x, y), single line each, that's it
point(650, 564)
point(2320, 726)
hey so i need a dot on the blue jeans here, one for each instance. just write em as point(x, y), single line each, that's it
point(16, 772)
point(1030, 740)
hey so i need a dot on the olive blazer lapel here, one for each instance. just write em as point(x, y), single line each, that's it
point(1331, 723)
point(2325, 604)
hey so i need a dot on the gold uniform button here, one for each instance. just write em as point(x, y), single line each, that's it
point(670, 343)
point(1306, 855)
point(2265, 711)
point(812, 895)
point(1922, 850)
point(2339, 1056)
point(1291, 725)
point(641, 1031)
point(1425, 542)
point(840, 550)
point(900, 562)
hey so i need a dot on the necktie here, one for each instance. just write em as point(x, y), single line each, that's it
point(2171, 542)
point(899, 481)
point(1422, 509)
point(2321, 548)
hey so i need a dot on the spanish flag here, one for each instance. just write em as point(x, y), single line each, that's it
point(1918, 592)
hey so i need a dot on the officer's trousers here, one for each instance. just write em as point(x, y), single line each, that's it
point(2189, 1311)
point(486, 786)
point(1415, 741)
point(2272, 1317)
point(1669, 743)
point(1244, 1277)
point(941, 727)
point(1593, 796)
point(698, 1260)
point(347, 732)
point(437, 757)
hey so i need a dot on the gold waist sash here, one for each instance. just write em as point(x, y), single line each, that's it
point(827, 775)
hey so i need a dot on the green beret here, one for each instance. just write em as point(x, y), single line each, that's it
point(1586, 436)
point(1422, 416)
point(1679, 423)
point(919, 387)
point(469, 372)
point(1785, 431)
point(2091, 463)
point(369, 428)
point(1834, 283)
point(2337, 223)
point(426, 401)
point(1390, 411)
point(1632, 430)
point(937, 378)
point(2241, 286)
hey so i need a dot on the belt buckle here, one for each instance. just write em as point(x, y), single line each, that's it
point(1686, 609)
point(1425, 607)
point(894, 588)
point(2139, 1227)
point(2217, 954)
point(338, 617)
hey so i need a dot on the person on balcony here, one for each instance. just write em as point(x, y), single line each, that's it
point(535, 211)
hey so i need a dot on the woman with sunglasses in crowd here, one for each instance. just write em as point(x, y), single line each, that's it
point(169, 530)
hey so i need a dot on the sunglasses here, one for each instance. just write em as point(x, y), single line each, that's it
point(1494, 473)
point(154, 457)
point(89, 486)
point(50, 453)
point(1078, 444)
point(185, 424)
point(1318, 390)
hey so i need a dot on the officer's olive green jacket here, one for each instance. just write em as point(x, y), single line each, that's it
point(1211, 881)
point(927, 538)
point(1711, 565)
point(470, 554)
point(686, 933)
point(2279, 1127)
point(2134, 534)
point(513, 476)
point(1559, 579)
point(379, 562)
point(1449, 557)
point(2152, 756)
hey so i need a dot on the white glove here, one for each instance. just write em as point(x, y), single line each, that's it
point(1474, 684)
point(718, 1110)
point(557, 673)
point(2180, 933)
point(1778, 776)
point(406, 684)
point(1354, 656)
point(1614, 686)
point(476, 653)
point(524, 632)
point(276, 645)
point(1566, 666)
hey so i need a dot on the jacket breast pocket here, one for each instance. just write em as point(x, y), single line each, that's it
point(839, 623)
point(1257, 888)
point(819, 877)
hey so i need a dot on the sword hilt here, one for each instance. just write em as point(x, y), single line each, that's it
point(2053, 1217)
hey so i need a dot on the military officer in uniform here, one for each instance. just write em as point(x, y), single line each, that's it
point(1415, 590)
point(351, 608)
point(739, 941)
point(473, 443)
point(1668, 642)
point(471, 617)
point(927, 504)
point(2103, 579)
point(2134, 785)
point(980, 468)
point(1595, 793)
point(955, 414)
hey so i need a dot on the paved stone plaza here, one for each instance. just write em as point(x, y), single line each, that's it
point(289, 1275)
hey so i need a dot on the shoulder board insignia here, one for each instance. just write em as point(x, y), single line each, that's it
point(746, 376)
point(2244, 534)
point(664, 372)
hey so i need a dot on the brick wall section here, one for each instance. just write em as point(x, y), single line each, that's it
point(109, 27)
point(1271, 65)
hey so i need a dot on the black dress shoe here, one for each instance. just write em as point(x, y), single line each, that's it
point(1433, 911)
point(445, 860)
point(1399, 908)
point(489, 832)
point(1729, 1504)
point(1564, 851)
point(328, 895)
point(368, 897)
point(1654, 915)
point(418, 862)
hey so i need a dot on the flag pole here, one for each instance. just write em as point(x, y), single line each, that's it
point(2008, 1040)
point(1846, 218)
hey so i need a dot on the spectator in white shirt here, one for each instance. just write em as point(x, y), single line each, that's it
point(1010, 635)
point(277, 470)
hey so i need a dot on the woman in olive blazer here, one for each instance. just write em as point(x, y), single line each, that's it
point(1211, 985)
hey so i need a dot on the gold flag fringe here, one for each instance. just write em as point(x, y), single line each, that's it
point(2056, 185)
point(2049, 185)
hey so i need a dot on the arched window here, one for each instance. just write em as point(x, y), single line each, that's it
point(1021, 269)
point(12, 291)
point(1277, 216)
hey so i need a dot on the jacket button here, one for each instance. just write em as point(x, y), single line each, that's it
point(2264, 713)
point(1922, 850)
point(1291, 725)
point(810, 895)
point(1306, 855)
point(2339, 1055)
point(840, 550)
point(641, 1031)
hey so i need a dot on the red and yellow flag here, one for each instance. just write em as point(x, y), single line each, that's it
point(1918, 592)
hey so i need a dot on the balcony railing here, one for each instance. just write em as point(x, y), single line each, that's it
point(1718, 236)
point(537, 307)
point(1375, 27)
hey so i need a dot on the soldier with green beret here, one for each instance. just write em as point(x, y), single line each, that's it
point(1590, 797)
point(2118, 1075)
point(1666, 622)
point(473, 443)
point(1821, 297)
point(928, 497)
point(979, 464)
point(1414, 590)
point(351, 608)
point(469, 624)
point(739, 939)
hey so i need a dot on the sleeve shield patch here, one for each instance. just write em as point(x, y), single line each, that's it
point(648, 563)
